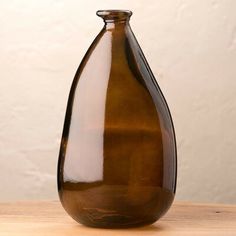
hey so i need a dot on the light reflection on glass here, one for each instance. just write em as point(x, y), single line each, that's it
point(84, 156)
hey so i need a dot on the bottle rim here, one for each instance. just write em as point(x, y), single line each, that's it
point(114, 15)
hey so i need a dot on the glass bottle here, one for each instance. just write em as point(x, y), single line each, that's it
point(117, 161)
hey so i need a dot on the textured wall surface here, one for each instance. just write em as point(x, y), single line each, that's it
point(191, 48)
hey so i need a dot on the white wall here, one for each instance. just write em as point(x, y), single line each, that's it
point(191, 47)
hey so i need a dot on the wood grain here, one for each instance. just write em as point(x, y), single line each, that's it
point(49, 219)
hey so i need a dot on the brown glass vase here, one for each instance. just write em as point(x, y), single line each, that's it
point(117, 161)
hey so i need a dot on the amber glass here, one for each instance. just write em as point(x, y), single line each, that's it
point(117, 161)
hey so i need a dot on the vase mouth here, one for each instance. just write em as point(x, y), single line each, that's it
point(114, 15)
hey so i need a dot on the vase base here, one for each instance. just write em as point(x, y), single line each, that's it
point(115, 206)
point(118, 225)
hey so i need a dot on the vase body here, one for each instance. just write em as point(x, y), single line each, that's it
point(117, 161)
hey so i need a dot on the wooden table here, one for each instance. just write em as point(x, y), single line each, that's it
point(49, 219)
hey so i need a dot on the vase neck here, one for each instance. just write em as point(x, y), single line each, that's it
point(120, 26)
point(115, 18)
